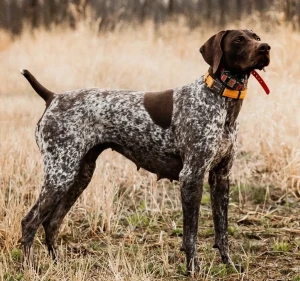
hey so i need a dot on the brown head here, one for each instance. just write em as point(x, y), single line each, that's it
point(239, 51)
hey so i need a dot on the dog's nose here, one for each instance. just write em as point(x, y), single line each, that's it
point(264, 48)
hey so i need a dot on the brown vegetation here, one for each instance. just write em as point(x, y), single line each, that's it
point(15, 15)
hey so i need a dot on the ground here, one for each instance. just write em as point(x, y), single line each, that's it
point(140, 237)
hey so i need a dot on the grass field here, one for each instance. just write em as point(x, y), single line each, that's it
point(127, 226)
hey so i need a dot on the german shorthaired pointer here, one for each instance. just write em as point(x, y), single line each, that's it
point(179, 134)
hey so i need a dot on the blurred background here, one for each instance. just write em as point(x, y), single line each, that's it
point(111, 14)
point(149, 45)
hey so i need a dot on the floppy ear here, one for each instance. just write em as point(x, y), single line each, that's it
point(212, 51)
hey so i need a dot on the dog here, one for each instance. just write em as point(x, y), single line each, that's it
point(178, 134)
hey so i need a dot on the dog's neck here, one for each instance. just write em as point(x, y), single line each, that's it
point(234, 80)
point(241, 81)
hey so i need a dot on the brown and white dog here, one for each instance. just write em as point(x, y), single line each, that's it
point(179, 134)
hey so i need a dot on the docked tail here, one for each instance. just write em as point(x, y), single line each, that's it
point(41, 90)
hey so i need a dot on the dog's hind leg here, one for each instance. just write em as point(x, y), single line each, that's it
point(53, 221)
point(61, 172)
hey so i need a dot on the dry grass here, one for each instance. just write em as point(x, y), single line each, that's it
point(126, 226)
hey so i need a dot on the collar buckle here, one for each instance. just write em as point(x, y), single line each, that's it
point(213, 84)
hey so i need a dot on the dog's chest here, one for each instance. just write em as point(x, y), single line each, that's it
point(225, 145)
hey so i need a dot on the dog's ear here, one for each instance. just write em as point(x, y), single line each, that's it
point(212, 51)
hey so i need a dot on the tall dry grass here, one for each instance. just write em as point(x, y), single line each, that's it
point(135, 58)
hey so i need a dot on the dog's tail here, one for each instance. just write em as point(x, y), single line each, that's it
point(41, 90)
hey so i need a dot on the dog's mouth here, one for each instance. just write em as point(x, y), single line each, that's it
point(254, 62)
point(261, 62)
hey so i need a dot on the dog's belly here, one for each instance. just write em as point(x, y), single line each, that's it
point(164, 164)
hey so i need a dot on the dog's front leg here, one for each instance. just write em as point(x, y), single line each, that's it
point(219, 192)
point(191, 194)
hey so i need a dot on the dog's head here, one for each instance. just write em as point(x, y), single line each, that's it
point(236, 50)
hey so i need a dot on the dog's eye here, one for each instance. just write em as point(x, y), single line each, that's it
point(238, 40)
point(257, 39)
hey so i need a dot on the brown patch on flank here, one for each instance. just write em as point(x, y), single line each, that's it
point(160, 107)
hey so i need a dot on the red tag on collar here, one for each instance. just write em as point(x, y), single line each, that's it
point(261, 81)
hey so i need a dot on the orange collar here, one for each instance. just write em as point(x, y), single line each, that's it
point(217, 86)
